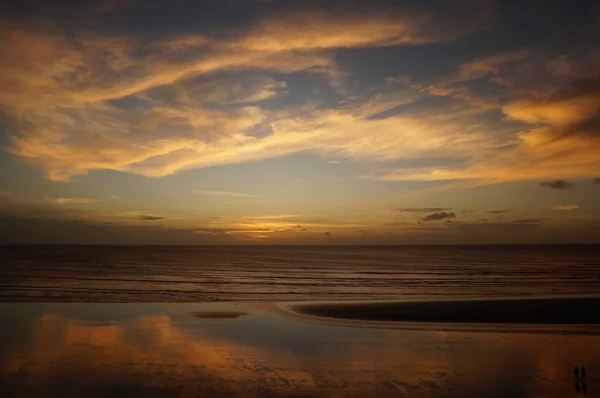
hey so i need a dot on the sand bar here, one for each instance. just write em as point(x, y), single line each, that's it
point(527, 311)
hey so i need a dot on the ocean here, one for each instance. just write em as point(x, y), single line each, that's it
point(294, 273)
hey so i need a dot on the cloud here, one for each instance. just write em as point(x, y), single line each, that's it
point(77, 103)
point(144, 217)
point(421, 209)
point(310, 30)
point(596, 181)
point(254, 231)
point(226, 193)
point(184, 43)
point(490, 65)
point(557, 184)
point(272, 217)
point(237, 90)
point(114, 5)
point(497, 211)
point(438, 216)
point(327, 233)
point(560, 137)
point(455, 86)
point(74, 200)
point(529, 221)
point(251, 228)
point(565, 207)
point(33, 230)
point(61, 93)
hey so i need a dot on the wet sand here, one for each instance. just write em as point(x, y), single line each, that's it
point(562, 311)
point(178, 350)
point(217, 315)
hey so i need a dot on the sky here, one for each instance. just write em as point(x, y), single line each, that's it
point(300, 122)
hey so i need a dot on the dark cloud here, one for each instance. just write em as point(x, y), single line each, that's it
point(529, 221)
point(596, 181)
point(557, 184)
point(438, 216)
point(587, 125)
point(588, 128)
point(21, 230)
point(494, 227)
point(497, 211)
point(327, 233)
point(114, 5)
point(293, 228)
point(211, 231)
point(149, 218)
point(422, 209)
point(233, 231)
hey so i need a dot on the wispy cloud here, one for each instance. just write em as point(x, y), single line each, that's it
point(226, 193)
point(439, 216)
point(560, 137)
point(272, 217)
point(144, 217)
point(565, 207)
point(72, 201)
point(201, 100)
point(557, 184)
point(421, 209)
point(529, 221)
point(114, 5)
point(50, 81)
point(497, 211)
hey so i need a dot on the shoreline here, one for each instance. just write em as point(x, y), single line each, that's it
point(551, 311)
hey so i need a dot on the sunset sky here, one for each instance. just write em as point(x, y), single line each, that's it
point(300, 122)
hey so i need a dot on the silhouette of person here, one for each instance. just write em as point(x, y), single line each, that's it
point(583, 375)
point(583, 380)
point(576, 373)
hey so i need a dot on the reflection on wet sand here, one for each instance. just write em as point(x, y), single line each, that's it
point(151, 352)
point(164, 355)
point(217, 315)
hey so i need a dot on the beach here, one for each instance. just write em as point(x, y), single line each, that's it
point(513, 311)
point(271, 349)
point(262, 322)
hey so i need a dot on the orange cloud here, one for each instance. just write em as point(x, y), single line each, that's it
point(73, 201)
point(565, 142)
point(318, 32)
point(59, 91)
point(555, 112)
point(565, 207)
